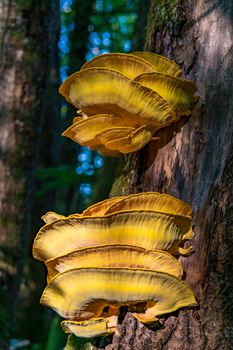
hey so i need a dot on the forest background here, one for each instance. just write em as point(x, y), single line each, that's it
point(41, 43)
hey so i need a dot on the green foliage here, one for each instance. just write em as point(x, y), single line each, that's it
point(117, 19)
point(55, 178)
point(56, 337)
point(75, 343)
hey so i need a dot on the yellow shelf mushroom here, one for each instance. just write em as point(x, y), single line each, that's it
point(82, 294)
point(91, 328)
point(123, 99)
point(116, 253)
point(115, 256)
point(87, 131)
point(177, 92)
point(101, 90)
point(51, 216)
point(153, 201)
point(129, 65)
point(160, 63)
point(133, 141)
point(147, 229)
point(100, 208)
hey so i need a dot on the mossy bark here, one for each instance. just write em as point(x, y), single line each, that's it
point(193, 161)
point(26, 31)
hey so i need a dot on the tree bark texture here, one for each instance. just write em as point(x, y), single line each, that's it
point(26, 32)
point(194, 162)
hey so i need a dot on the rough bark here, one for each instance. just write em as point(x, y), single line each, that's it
point(194, 162)
point(25, 33)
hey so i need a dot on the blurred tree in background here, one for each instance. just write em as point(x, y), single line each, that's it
point(28, 74)
point(42, 42)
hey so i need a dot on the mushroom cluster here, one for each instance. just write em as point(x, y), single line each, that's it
point(118, 252)
point(123, 99)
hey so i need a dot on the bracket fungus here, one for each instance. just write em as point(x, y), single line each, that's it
point(116, 253)
point(108, 256)
point(150, 230)
point(123, 99)
point(150, 220)
point(82, 294)
point(91, 328)
point(153, 201)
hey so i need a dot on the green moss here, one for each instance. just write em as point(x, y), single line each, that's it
point(165, 12)
point(126, 174)
point(161, 12)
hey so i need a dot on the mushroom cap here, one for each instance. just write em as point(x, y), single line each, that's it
point(82, 294)
point(130, 66)
point(97, 209)
point(110, 131)
point(160, 63)
point(152, 201)
point(142, 89)
point(132, 142)
point(108, 256)
point(100, 208)
point(90, 131)
point(112, 134)
point(91, 328)
point(100, 90)
point(51, 216)
point(150, 230)
point(106, 152)
point(156, 201)
point(177, 92)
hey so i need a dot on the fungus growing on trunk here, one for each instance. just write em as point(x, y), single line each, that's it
point(153, 201)
point(160, 63)
point(101, 90)
point(116, 253)
point(150, 230)
point(100, 208)
point(108, 256)
point(91, 328)
point(136, 93)
point(82, 294)
point(129, 65)
point(177, 92)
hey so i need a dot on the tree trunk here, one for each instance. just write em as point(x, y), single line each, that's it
point(194, 163)
point(25, 33)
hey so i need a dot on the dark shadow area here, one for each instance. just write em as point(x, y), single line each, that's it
point(150, 151)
